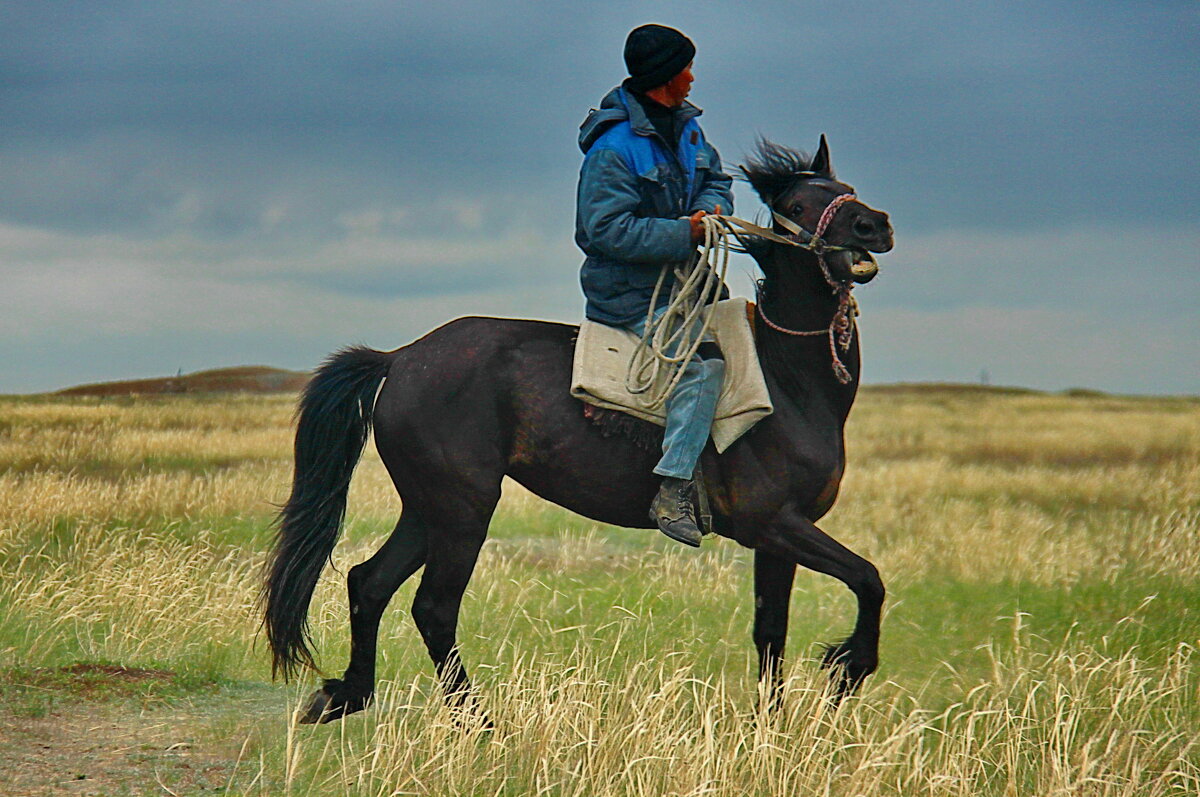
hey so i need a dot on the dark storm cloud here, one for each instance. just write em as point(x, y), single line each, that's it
point(1009, 113)
point(1031, 155)
point(114, 116)
point(993, 109)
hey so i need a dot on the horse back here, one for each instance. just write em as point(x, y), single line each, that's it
point(468, 369)
point(481, 398)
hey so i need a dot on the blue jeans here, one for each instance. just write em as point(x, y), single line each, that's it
point(690, 411)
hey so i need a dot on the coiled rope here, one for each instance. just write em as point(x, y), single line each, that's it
point(673, 338)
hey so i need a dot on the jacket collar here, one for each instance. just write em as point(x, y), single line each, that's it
point(617, 106)
point(641, 123)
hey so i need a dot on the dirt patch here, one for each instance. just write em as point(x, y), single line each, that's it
point(98, 728)
point(102, 749)
point(27, 688)
point(85, 669)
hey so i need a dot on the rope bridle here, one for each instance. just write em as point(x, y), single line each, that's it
point(670, 340)
point(841, 326)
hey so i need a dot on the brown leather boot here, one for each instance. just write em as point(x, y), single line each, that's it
point(672, 510)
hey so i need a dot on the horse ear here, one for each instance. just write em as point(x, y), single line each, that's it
point(820, 161)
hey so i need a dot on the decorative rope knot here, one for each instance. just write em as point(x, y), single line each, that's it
point(841, 333)
point(843, 322)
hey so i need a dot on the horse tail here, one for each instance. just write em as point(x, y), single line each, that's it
point(334, 422)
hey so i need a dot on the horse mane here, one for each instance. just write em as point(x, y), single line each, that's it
point(771, 169)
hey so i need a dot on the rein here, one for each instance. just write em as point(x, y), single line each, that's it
point(670, 340)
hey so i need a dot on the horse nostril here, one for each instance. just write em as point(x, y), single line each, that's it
point(863, 227)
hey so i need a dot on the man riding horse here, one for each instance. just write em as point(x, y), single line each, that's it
point(480, 399)
point(648, 178)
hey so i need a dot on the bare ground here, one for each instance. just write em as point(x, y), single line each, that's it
point(79, 746)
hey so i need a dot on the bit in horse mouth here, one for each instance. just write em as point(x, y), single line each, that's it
point(863, 266)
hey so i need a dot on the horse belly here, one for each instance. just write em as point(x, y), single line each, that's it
point(484, 398)
point(559, 455)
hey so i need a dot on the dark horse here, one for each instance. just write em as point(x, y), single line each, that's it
point(483, 398)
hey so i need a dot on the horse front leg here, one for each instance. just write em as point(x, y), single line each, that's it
point(797, 539)
point(773, 577)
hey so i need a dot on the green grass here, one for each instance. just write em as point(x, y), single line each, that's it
point(33, 692)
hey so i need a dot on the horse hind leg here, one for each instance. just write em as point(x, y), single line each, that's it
point(370, 586)
point(435, 609)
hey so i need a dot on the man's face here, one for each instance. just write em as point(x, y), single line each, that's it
point(678, 87)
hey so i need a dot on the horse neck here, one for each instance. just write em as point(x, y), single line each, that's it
point(796, 296)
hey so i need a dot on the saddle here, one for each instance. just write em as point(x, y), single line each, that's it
point(601, 361)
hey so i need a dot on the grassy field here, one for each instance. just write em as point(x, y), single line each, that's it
point(1042, 554)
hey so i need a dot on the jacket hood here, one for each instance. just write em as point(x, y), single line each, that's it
point(617, 106)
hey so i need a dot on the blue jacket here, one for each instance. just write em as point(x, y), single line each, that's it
point(632, 194)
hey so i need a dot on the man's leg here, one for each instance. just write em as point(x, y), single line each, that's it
point(690, 410)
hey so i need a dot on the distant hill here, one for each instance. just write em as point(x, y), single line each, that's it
point(960, 388)
point(264, 379)
point(244, 379)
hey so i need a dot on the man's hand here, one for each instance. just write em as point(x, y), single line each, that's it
point(697, 225)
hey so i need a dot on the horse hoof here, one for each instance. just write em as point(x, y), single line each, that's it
point(473, 720)
point(846, 671)
point(318, 709)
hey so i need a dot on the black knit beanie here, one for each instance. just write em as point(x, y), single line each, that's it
point(654, 54)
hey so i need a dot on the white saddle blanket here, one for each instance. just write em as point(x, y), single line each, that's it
point(602, 358)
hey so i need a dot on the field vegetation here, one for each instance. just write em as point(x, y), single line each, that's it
point(1042, 554)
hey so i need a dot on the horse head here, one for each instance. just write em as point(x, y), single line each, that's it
point(804, 196)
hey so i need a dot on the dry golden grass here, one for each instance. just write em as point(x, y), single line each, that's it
point(1059, 725)
point(1041, 552)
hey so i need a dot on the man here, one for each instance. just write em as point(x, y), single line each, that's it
point(648, 178)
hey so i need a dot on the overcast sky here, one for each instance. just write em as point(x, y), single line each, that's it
point(193, 185)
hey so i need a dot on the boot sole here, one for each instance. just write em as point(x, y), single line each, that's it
point(676, 537)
